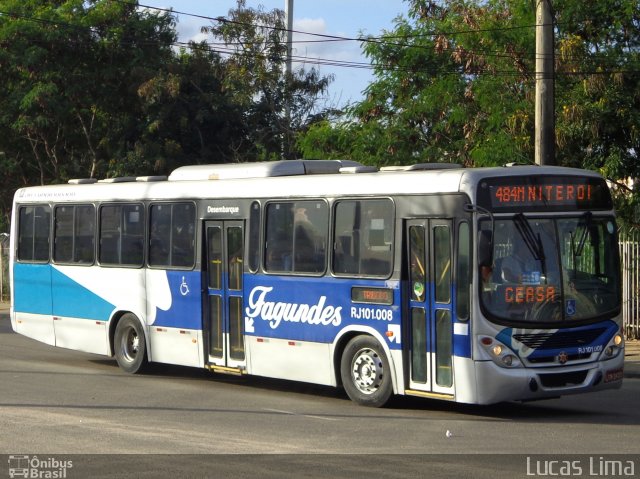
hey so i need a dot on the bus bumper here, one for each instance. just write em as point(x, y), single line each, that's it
point(496, 384)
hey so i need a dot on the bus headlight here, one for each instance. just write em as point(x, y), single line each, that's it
point(614, 347)
point(499, 353)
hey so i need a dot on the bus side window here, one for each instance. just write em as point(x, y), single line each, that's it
point(463, 272)
point(296, 236)
point(74, 230)
point(364, 237)
point(183, 241)
point(84, 234)
point(310, 226)
point(33, 234)
point(172, 235)
point(121, 232)
point(254, 237)
point(159, 234)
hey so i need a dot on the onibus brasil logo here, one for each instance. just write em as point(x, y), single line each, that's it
point(38, 468)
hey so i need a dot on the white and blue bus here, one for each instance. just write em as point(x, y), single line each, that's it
point(470, 285)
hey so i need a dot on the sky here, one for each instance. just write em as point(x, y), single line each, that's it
point(343, 18)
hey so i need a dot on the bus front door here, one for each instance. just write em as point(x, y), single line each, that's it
point(223, 317)
point(430, 309)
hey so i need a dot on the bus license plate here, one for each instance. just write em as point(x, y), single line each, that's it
point(613, 375)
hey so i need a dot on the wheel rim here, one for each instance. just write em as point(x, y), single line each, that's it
point(367, 371)
point(130, 345)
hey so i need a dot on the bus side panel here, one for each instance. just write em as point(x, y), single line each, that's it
point(465, 377)
point(461, 338)
point(174, 306)
point(81, 292)
point(80, 315)
point(294, 360)
point(291, 323)
point(175, 346)
point(32, 302)
point(86, 299)
point(82, 335)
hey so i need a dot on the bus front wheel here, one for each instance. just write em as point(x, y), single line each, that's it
point(130, 346)
point(365, 372)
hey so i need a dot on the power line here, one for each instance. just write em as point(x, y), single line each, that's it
point(226, 49)
point(336, 63)
point(457, 70)
point(368, 39)
point(383, 40)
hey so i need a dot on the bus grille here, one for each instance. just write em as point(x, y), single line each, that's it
point(559, 340)
point(553, 359)
point(563, 379)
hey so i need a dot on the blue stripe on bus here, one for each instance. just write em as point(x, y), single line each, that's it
point(462, 344)
point(32, 288)
point(186, 301)
point(295, 308)
point(609, 329)
point(73, 300)
point(42, 289)
point(315, 309)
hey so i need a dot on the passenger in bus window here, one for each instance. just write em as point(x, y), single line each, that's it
point(304, 229)
point(305, 242)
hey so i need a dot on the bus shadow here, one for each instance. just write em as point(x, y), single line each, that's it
point(554, 411)
point(584, 409)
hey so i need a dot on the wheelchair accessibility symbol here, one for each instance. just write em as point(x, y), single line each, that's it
point(571, 307)
point(184, 287)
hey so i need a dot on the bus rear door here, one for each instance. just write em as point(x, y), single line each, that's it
point(430, 307)
point(223, 316)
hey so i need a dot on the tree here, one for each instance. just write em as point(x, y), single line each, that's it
point(188, 118)
point(275, 108)
point(68, 92)
point(97, 89)
point(598, 105)
point(454, 81)
point(72, 68)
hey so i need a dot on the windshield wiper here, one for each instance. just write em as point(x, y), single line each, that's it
point(586, 218)
point(576, 250)
point(533, 241)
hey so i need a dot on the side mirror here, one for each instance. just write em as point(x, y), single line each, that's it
point(485, 248)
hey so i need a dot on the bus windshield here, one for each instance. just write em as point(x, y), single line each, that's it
point(551, 270)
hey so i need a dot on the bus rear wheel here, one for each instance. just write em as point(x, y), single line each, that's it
point(365, 372)
point(129, 344)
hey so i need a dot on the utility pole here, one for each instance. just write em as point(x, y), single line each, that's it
point(288, 13)
point(288, 137)
point(545, 103)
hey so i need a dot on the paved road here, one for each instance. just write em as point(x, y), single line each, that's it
point(64, 404)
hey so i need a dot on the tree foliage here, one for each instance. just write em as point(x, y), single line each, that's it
point(68, 92)
point(455, 81)
point(275, 106)
point(98, 88)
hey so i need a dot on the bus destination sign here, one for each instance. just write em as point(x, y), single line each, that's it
point(371, 295)
point(556, 193)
